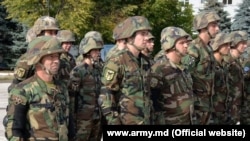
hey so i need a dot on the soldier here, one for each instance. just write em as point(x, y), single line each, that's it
point(171, 82)
point(246, 108)
point(85, 84)
point(125, 93)
point(38, 107)
point(98, 37)
point(120, 43)
point(200, 63)
point(235, 76)
point(221, 46)
point(44, 25)
point(67, 61)
point(149, 46)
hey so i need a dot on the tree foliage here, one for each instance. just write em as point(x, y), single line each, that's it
point(81, 16)
point(242, 18)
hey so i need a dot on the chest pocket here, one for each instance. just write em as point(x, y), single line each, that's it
point(132, 78)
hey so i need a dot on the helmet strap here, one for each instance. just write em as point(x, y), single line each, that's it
point(45, 69)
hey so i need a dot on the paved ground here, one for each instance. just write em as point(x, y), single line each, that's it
point(3, 104)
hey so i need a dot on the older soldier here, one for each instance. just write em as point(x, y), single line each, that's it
point(85, 84)
point(43, 26)
point(38, 107)
point(98, 37)
point(221, 46)
point(125, 94)
point(235, 75)
point(171, 81)
point(200, 63)
point(67, 61)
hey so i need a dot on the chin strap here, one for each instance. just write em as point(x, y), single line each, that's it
point(45, 69)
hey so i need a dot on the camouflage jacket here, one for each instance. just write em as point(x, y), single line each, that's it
point(125, 94)
point(37, 110)
point(85, 84)
point(173, 85)
point(200, 63)
point(221, 87)
point(67, 63)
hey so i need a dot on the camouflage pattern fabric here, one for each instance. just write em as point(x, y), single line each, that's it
point(245, 116)
point(85, 84)
point(67, 63)
point(220, 97)
point(114, 51)
point(204, 18)
point(200, 63)
point(236, 87)
point(125, 93)
point(159, 55)
point(173, 84)
point(79, 59)
point(38, 111)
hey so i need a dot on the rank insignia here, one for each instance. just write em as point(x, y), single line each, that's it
point(109, 74)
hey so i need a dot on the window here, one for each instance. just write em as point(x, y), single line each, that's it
point(184, 2)
point(227, 1)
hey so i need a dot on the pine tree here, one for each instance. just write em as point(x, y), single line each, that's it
point(225, 21)
point(242, 17)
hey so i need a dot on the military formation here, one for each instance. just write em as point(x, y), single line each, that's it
point(56, 97)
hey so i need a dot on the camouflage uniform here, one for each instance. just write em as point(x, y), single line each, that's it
point(236, 80)
point(125, 94)
point(221, 88)
point(85, 84)
point(23, 71)
point(67, 61)
point(172, 84)
point(38, 110)
point(98, 37)
point(200, 63)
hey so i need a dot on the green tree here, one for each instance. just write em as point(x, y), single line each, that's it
point(225, 22)
point(163, 13)
point(242, 18)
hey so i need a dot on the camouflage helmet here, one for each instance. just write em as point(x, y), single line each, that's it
point(238, 36)
point(150, 36)
point(94, 34)
point(65, 36)
point(204, 18)
point(45, 23)
point(42, 46)
point(220, 39)
point(31, 34)
point(129, 26)
point(170, 35)
point(88, 44)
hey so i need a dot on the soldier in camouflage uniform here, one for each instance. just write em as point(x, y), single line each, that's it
point(38, 107)
point(171, 82)
point(44, 25)
point(149, 46)
point(235, 75)
point(85, 84)
point(246, 68)
point(221, 46)
point(125, 93)
point(200, 63)
point(67, 61)
point(98, 37)
point(120, 42)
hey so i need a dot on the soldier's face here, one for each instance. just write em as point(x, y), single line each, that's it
point(67, 46)
point(50, 33)
point(95, 54)
point(141, 39)
point(182, 45)
point(213, 28)
point(241, 46)
point(51, 62)
point(150, 44)
point(224, 48)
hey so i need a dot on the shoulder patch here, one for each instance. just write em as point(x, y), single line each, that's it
point(109, 74)
point(19, 72)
